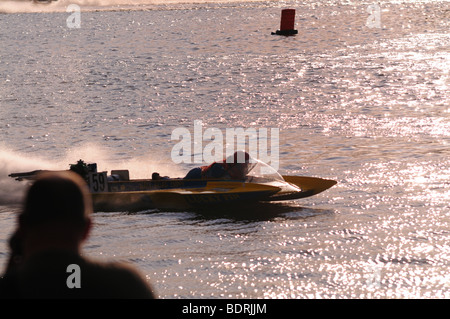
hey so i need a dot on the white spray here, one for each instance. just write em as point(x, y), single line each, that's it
point(12, 191)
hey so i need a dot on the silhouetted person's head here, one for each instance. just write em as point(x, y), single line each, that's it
point(56, 213)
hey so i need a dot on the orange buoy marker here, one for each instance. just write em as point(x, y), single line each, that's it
point(287, 23)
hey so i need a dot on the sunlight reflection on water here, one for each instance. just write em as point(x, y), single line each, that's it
point(367, 107)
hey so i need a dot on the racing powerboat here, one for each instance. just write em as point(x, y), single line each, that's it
point(118, 192)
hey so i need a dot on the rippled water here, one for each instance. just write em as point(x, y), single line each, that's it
point(368, 107)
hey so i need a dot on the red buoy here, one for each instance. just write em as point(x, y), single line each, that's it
point(287, 23)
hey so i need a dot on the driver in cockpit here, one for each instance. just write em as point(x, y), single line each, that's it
point(234, 167)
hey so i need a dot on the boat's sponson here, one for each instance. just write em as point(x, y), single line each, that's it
point(170, 197)
point(309, 186)
point(183, 193)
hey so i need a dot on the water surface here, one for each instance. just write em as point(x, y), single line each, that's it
point(368, 107)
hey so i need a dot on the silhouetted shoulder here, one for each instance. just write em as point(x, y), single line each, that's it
point(120, 280)
point(48, 275)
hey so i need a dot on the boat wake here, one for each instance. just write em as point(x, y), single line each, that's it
point(262, 211)
point(12, 191)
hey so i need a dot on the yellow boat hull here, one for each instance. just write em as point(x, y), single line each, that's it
point(213, 193)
